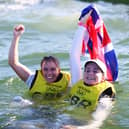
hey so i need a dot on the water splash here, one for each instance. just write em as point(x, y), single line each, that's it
point(21, 102)
point(27, 2)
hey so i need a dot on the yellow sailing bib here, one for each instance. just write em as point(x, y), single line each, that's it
point(55, 89)
point(87, 96)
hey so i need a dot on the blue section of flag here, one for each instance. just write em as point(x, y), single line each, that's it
point(112, 63)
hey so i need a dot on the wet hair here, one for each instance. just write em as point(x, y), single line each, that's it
point(49, 59)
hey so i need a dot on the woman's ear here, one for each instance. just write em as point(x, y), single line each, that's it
point(59, 70)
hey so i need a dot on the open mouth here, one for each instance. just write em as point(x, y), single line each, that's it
point(49, 77)
point(92, 79)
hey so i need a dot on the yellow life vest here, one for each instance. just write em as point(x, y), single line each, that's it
point(88, 96)
point(50, 90)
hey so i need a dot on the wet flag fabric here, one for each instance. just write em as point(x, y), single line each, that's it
point(98, 42)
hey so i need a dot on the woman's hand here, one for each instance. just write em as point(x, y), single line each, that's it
point(18, 30)
point(84, 19)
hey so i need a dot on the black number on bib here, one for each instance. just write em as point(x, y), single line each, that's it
point(84, 103)
point(75, 100)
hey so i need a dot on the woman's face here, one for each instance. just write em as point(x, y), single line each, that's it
point(93, 74)
point(50, 71)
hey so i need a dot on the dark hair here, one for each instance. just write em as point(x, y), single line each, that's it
point(50, 58)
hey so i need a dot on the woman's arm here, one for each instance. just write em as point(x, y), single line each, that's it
point(13, 59)
point(75, 53)
point(99, 115)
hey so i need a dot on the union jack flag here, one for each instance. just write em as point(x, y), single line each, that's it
point(98, 42)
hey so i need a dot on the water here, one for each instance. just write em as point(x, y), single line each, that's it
point(50, 27)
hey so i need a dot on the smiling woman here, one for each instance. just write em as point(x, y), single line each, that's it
point(89, 90)
point(42, 81)
point(50, 69)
